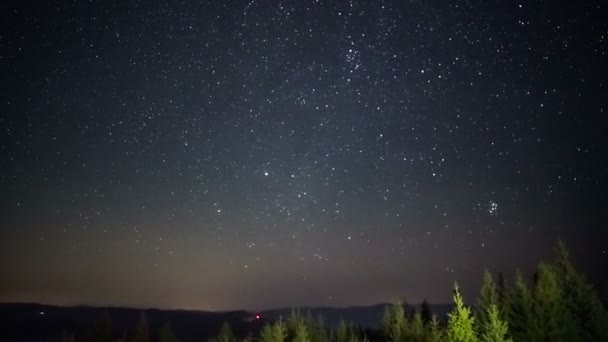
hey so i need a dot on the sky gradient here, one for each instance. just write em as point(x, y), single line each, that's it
point(231, 154)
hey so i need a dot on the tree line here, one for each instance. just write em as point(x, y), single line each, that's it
point(557, 305)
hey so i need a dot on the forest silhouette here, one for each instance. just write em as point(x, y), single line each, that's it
point(558, 304)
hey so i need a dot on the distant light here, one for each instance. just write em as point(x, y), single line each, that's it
point(41, 313)
point(257, 317)
point(265, 173)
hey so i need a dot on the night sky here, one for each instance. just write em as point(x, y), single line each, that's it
point(231, 154)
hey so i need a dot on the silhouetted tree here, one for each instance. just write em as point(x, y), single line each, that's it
point(425, 312)
point(494, 328)
point(501, 289)
point(461, 323)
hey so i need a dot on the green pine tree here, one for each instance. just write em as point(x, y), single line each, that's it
point(416, 328)
point(394, 323)
point(461, 323)
point(494, 328)
point(519, 312)
point(434, 332)
point(581, 299)
point(266, 335)
point(317, 330)
point(550, 308)
point(301, 333)
point(225, 334)
point(488, 297)
point(279, 331)
point(342, 332)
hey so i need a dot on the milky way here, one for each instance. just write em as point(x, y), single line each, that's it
point(259, 154)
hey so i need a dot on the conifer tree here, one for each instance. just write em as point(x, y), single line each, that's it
point(494, 329)
point(519, 310)
point(266, 335)
point(394, 323)
point(461, 323)
point(434, 332)
point(416, 328)
point(279, 332)
point(342, 332)
point(226, 334)
point(317, 330)
point(581, 299)
point(550, 309)
point(301, 332)
point(488, 297)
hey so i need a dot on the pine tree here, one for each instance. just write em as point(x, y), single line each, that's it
point(166, 334)
point(434, 332)
point(266, 334)
point(416, 328)
point(461, 323)
point(317, 331)
point(225, 334)
point(494, 328)
point(394, 323)
point(279, 331)
point(342, 332)
point(301, 333)
point(142, 330)
point(556, 323)
point(519, 312)
point(581, 299)
point(488, 297)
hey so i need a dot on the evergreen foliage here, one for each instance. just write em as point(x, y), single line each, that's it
point(434, 331)
point(461, 323)
point(494, 329)
point(226, 334)
point(394, 323)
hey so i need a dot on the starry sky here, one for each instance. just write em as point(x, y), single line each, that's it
point(256, 154)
